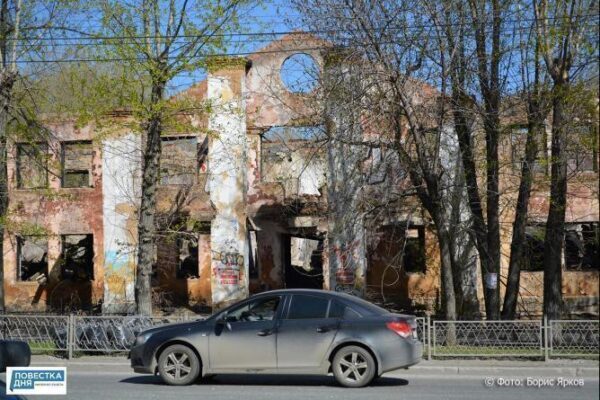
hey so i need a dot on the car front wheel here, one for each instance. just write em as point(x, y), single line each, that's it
point(178, 365)
point(353, 366)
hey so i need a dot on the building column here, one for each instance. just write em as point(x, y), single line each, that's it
point(120, 201)
point(227, 182)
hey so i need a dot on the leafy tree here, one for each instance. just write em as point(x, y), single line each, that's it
point(157, 41)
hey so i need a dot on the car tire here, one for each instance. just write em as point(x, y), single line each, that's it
point(353, 366)
point(178, 365)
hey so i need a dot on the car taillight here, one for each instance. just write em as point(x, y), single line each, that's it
point(402, 328)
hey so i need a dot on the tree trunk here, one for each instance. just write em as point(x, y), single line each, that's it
point(146, 227)
point(449, 298)
point(479, 226)
point(492, 128)
point(517, 246)
point(553, 243)
point(7, 80)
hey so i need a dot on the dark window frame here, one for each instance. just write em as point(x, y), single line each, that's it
point(422, 266)
point(581, 267)
point(528, 250)
point(179, 272)
point(90, 267)
point(64, 171)
point(44, 148)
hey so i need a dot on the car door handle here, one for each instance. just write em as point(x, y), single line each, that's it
point(265, 332)
point(323, 329)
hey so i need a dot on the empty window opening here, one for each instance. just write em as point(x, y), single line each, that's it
point(32, 166)
point(187, 267)
point(300, 73)
point(32, 252)
point(77, 164)
point(533, 254)
point(294, 156)
point(78, 257)
point(304, 263)
point(582, 248)
point(180, 160)
point(413, 256)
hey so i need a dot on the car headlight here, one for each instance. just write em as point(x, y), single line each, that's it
point(141, 339)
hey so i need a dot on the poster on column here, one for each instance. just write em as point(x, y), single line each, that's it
point(227, 268)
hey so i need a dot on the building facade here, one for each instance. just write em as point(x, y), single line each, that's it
point(253, 198)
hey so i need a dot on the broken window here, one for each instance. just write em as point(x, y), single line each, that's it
point(293, 155)
point(181, 160)
point(32, 253)
point(77, 164)
point(187, 263)
point(533, 254)
point(582, 248)
point(32, 166)
point(78, 257)
point(413, 257)
point(305, 253)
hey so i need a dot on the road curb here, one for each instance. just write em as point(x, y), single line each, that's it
point(480, 370)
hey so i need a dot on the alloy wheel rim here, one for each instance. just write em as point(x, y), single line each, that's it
point(178, 365)
point(353, 367)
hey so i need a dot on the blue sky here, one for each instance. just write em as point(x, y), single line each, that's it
point(269, 16)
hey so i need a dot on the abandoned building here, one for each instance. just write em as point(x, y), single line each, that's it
point(244, 206)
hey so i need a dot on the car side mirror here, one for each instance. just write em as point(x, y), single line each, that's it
point(222, 321)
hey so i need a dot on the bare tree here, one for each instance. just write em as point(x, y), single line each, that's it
point(564, 42)
point(535, 96)
point(386, 57)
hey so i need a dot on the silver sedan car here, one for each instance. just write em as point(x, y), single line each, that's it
point(295, 331)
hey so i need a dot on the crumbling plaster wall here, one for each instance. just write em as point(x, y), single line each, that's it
point(228, 183)
point(57, 211)
point(271, 104)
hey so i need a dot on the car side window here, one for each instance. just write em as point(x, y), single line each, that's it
point(259, 310)
point(339, 310)
point(307, 307)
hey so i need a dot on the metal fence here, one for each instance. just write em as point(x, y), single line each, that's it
point(111, 334)
point(487, 338)
point(573, 338)
point(441, 339)
point(42, 332)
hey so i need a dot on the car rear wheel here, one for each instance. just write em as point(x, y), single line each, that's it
point(353, 366)
point(178, 365)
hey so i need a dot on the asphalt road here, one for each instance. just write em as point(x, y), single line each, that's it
point(402, 385)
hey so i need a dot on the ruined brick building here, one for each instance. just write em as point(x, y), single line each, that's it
point(242, 207)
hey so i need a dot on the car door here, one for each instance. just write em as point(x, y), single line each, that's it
point(305, 333)
point(245, 338)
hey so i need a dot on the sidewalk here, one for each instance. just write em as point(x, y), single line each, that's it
point(504, 368)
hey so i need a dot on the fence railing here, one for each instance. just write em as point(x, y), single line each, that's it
point(441, 339)
point(487, 338)
point(573, 338)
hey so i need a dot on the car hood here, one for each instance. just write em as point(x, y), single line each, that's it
point(179, 326)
